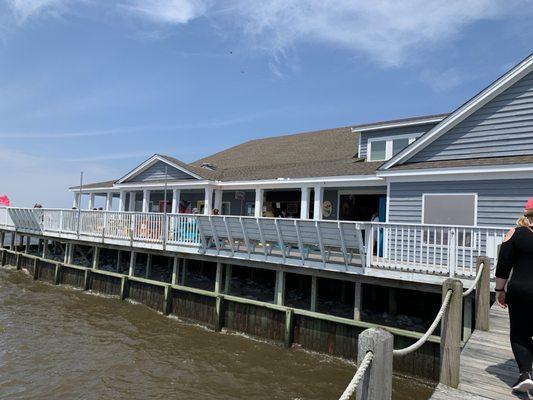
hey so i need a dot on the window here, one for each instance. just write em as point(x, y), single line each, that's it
point(449, 209)
point(383, 149)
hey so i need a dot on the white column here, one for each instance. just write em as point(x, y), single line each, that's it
point(208, 199)
point(122, 201)
point(218, 200)
point(90, 206)
point(319, 198)
point(304, 204)
point(109, 201)
point(176, 193)
point(76, 200)
point(259, 202)
point(146, 200)
point(131, 205)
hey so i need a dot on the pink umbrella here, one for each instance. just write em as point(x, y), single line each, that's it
point(4, 201)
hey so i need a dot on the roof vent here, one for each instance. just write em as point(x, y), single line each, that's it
point(208, 166)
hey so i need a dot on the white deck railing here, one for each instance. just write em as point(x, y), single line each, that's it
point(427, 249)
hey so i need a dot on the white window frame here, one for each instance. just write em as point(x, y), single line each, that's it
point(388, 145)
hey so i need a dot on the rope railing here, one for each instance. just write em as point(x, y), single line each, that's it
point(361, 370)
point(476, 281)
point(415, 346)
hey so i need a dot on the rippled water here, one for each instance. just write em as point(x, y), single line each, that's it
point(60, 343)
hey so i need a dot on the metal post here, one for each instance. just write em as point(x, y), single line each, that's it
point(377, 381)
point(450, 341)
point(483, 295)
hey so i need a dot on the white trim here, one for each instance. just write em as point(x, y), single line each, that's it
point(424, 195)
point(387, 203)
point(389, 140)
point(467, 109)
point(151, 161)
point(392, 125)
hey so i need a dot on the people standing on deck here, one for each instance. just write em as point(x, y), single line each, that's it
point(516, 260)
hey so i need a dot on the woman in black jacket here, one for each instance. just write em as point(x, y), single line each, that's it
point(516, 255)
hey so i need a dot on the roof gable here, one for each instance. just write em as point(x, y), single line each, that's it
point(466, 110)
point(156, 168)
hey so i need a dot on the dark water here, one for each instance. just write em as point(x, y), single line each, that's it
point(59, 343)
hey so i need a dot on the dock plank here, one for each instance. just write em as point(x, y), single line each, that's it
point(488, 368)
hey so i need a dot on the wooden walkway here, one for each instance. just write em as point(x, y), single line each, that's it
point(488, 368)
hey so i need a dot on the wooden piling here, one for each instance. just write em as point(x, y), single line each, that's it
point(483, 295)
point(18, 260)
point(86, 279)
point(219, 313)
point(314, 292)
point(124, 286)
point(358, 294)
point(280, 288)
point(175, 270)
point(218, 277)
point(450, 342)
point(96, 257)
point(35, 269)
point(227, 285)
point(56, 274)
point(289, 327)
point(377, 381)
point(167, 302)
point(3, 259)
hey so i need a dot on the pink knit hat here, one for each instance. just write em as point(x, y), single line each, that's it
point(528, 210)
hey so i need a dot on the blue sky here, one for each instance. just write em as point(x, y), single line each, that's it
point(100, 86)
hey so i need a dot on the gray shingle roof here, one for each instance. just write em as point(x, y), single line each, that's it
point(471, 162)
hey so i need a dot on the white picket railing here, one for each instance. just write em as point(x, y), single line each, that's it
point(429, 249)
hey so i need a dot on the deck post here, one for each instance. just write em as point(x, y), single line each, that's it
point(96, 257)
point(208, 200)
point(289, 325)
point(109, 201)
point(12, 241)
point(124, 287)
point(176, 193)
point(184, 266)
point(167, 302)
point(122, 201)
point(483, 295)
point(314, 292)
point(35, 269)
point(450, 342)
point(377, 381)
point(219, 311)
point(175, 270)
point(119, 256)
point(358, 294)
point(131, 203)
point(45, 248)
point(57, 273)
point(133, 262)
point(27, 247)
point(86, 278)
point(218, 277)
point(280, 288)
point(227, 284)
point(148, 266)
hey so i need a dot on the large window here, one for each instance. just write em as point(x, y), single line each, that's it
point(449, 209)
point(383, 149)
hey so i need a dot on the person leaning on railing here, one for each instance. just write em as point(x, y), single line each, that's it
point(516, 255)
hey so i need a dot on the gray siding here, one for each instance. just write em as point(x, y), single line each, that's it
point(157, 173)
point(500, 202)
point(503, 127)
point(415, 131)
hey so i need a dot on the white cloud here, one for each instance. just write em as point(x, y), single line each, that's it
point(389, 31)
point(24, 9)
point(168, 11)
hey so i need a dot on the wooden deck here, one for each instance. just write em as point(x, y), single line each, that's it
point(488, 368)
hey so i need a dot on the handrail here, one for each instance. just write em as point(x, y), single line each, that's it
point(415, 346)
point(476, 281)
point(358, 376)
